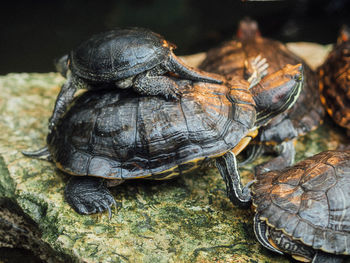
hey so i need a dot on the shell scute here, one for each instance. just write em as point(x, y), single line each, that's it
point(314, 208)
point(319, 178)
point(302, 229)
point(99, 167)
point(339, 207)
point(288, 222)
point(79, 162)
point(286, 197)
point(291, 177)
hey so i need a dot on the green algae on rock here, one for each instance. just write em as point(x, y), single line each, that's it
point(188, 219)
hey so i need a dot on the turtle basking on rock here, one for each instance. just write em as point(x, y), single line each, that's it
point(303, 210)
point(123, 58)
point(109, 136)
point(334, 81)
point(230, 59)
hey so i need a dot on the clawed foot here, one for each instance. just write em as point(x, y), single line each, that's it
point(246, 188)
point(172, 93)
point(88, 195)
point(256, 69)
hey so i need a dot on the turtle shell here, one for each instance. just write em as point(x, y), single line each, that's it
point(230, 58)
point(335, 82)
point(118, 54)
point(121, 135)
point(310, 201)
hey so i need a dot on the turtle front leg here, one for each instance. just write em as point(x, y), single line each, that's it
point(285, 158)
point(255, 70)
point(227, 166)
point(88, 195)
point(253, 152)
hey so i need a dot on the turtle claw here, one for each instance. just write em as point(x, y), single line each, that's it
point(256, 69)
point(246, 188)
point(82, 209)
point(172, 94)
point(88, 195)
point(248, 185)
point(109, 213)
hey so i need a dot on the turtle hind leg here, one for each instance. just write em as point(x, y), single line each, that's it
point(42, 153)
point(253, 151)
point(88, 195)
point(152, 84)
point(285, 158)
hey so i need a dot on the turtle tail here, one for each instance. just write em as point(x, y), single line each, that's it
point(42, 153)
point(177, 66)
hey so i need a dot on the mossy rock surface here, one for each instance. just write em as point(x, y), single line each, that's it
point(188, 219)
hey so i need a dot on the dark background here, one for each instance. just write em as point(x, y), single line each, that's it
point(33, 33)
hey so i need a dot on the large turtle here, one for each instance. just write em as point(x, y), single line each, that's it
point(123, 58)
point(230, 59)
point(118, 135)
point(334, 81)
point(303, 210)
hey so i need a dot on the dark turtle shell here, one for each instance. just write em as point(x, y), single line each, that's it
point(335, 81)
point(230, 59)
point(120, 135)
point(118, 54)
point(309, 202)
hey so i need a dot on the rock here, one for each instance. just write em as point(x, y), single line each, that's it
point(188, 219)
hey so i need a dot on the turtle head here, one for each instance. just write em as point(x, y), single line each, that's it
point(61, 65)
point(248, 29)
point(344, 35)
point(277, 92)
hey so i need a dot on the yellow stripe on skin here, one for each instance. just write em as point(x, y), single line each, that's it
point(274, 244)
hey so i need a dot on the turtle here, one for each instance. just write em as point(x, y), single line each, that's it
point(109, 136)
point(123, 58)
point(334, 82)
point(302, 210)
point(277, 136)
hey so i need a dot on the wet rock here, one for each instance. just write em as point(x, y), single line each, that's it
point(188, 219)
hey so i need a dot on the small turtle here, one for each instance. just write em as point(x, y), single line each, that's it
point(123, 58)
point(277, 136)
point(303, 210)
point(334, 81)
point(117, 135)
